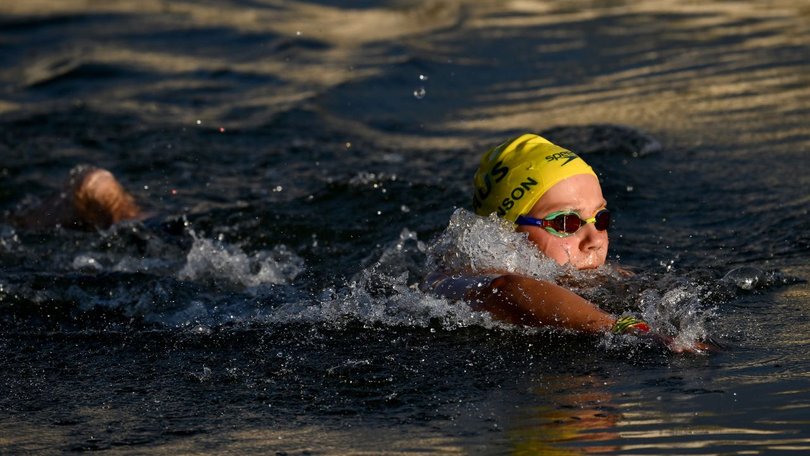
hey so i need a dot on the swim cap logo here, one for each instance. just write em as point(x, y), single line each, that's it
point(499, 172)
point(570, 156)
point(515, 195)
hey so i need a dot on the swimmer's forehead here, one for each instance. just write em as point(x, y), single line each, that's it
point(581, 209)
point(581, 194)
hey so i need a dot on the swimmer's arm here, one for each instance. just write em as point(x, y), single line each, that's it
point(527, 301)
point(523, 300)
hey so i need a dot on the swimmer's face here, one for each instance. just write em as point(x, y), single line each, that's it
point(585, 249)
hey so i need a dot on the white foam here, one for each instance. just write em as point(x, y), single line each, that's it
point(484, 244)
point(86, 261)
point(380, 294)
point(215, 260)
point(9, 240)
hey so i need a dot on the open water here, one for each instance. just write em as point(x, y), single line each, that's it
point(305, 162)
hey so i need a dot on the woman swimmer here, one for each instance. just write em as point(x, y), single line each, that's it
point(554, 197)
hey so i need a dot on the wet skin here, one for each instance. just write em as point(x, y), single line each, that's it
point(585, 249)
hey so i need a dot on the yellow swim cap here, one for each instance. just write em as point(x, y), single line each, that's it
point(514, 175)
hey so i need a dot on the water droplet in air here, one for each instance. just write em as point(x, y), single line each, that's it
point(419, 93)
point(423, 77)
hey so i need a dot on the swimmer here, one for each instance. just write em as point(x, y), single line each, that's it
point(554, 197)
point(92, 198)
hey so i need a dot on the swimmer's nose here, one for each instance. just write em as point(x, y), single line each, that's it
point(592, 239)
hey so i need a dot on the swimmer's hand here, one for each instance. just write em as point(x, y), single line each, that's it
point(697, 346)
point(632, 325)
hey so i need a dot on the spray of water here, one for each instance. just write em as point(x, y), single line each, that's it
point(385, 294)
point(483, 244)
point(215, 260)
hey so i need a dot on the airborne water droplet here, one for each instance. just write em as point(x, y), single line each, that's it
point(419, 93)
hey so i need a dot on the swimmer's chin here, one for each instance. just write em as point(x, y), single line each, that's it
point(590, 262)
point(587, 266)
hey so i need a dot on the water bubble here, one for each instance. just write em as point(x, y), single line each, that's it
point(202, 330)
point(203, 376)
point(419, 93)
point(86, 262)
point(745, 277)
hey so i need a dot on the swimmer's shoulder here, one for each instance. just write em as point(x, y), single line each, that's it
point(458, 286)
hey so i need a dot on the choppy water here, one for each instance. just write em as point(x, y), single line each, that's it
point(303, 161)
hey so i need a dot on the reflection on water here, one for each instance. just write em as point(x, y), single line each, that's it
point(695, 68)
point(584, 414)
point(301, 156)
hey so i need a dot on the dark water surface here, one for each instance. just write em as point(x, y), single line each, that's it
point(300, 158)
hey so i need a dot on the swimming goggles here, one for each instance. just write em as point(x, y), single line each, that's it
point(566, 223)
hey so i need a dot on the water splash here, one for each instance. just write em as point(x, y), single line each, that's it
point(9, 240)
point(678, 314)
point(749, 278)
point(484, 244)
point(385, 294)
point(214, 260)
